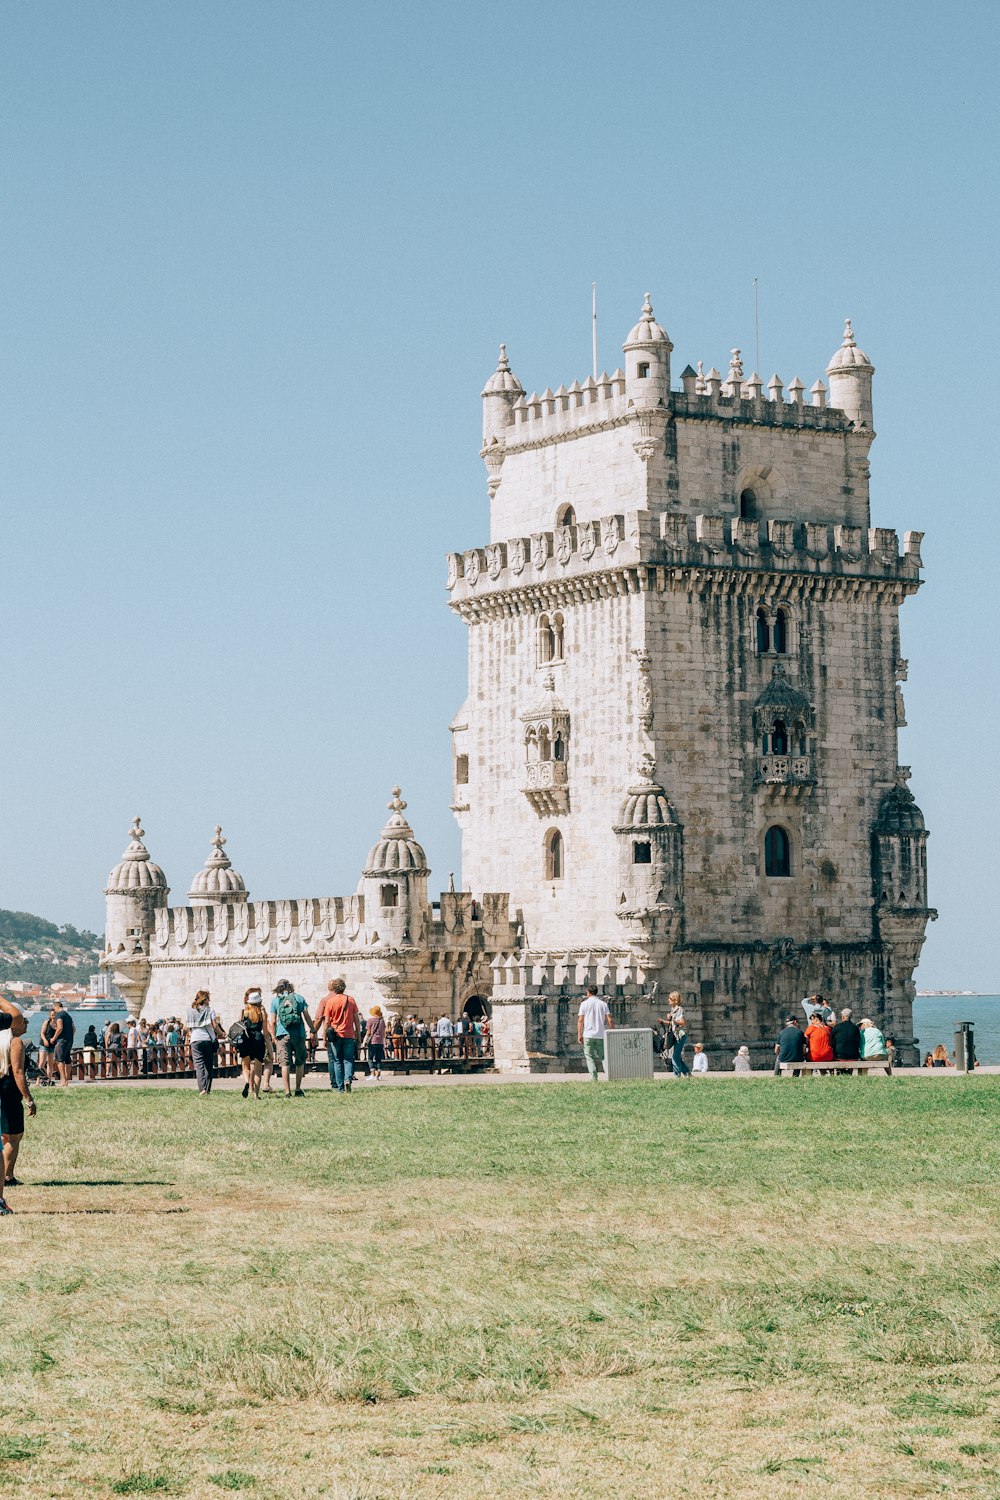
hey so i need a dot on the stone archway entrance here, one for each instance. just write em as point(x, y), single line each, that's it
point(477, 1007)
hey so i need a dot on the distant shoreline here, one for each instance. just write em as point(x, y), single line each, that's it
point(953, 995)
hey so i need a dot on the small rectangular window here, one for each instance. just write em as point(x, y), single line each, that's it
point(642, 372)
point(642, 854)
point(389, 895)
point(462, 770)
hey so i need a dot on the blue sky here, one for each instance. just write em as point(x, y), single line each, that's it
point(257, 259)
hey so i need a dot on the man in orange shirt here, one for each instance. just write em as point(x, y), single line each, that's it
point(339, 1014)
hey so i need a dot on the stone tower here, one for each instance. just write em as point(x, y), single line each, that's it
point(679, 747)
point(136, 890)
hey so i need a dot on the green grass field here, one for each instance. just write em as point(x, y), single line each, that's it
point(757, 1288)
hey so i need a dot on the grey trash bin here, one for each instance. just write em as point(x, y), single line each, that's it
point(628, 1052)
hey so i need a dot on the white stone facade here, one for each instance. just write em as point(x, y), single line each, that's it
point(678, 749)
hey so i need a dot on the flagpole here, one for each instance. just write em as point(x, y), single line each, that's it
point(594, 290)
point(756, 324)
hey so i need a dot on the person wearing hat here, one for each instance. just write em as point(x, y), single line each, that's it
point(741, 1062)
point(790, 1046)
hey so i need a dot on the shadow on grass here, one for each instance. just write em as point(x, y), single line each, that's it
point(74, 1182)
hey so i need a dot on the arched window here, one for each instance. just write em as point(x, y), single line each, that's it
point(544, 749)
point(566, 516)
point(461, 770)
point(558, 748)
point(642, 852)
point(553, 855)
point(777, 853)
point(763, 633)
point(532, 743)
point(557, 638)
point(779, 738)
point(781, 632)
point(749, 509)
point(799, 736)
point(546, 639)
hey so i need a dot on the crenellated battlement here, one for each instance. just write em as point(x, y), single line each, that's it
point(595, 404)
point(319, 926)
point(638, 539)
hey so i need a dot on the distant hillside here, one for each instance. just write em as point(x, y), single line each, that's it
point(39, 952)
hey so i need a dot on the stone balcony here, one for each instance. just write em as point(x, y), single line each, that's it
point(545, 783)
point(789, 776)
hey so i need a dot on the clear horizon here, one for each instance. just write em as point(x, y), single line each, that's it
point(258, 262)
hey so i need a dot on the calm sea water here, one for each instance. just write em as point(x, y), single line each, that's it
point(935, 1019)
point(82, 1019)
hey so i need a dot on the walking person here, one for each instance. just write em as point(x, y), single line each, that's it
point(61, 1032)
point(15, 1095)
point(204, 1031)
point(375, 1037)
point(678, 1030)
point(251, 1045)
point(338, 1013)
point(592, 1025)
point(291, 1017)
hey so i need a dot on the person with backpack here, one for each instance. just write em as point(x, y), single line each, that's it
point(291, 1017)
point(205, 1030)
point(249, 1034)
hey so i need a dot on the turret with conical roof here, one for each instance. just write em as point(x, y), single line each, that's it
point(136, 890)
point(500, 393)
point(850, 374)
point(217, 880)
point(394, 883)
point(647, 361)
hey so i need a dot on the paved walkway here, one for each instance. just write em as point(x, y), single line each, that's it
point(319, 1082)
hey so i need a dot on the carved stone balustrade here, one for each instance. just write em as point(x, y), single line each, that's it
point(545, 783)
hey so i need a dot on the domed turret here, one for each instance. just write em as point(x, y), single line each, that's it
point(217, 881)
point(899, 841)
point(899, 812)
point(135, 870)
point(136, 890)
point(394, 883)
point(397, 850)
point(850, 374)
point(647, 361)
point(650, 848)
point(500, 393)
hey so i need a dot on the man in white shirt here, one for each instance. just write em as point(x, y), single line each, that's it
point(700, 1061)
point(591, 1027)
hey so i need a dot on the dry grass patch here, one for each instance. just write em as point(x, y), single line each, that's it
point(507, 1292)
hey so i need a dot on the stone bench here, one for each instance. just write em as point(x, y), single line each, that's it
point(839, 1065)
